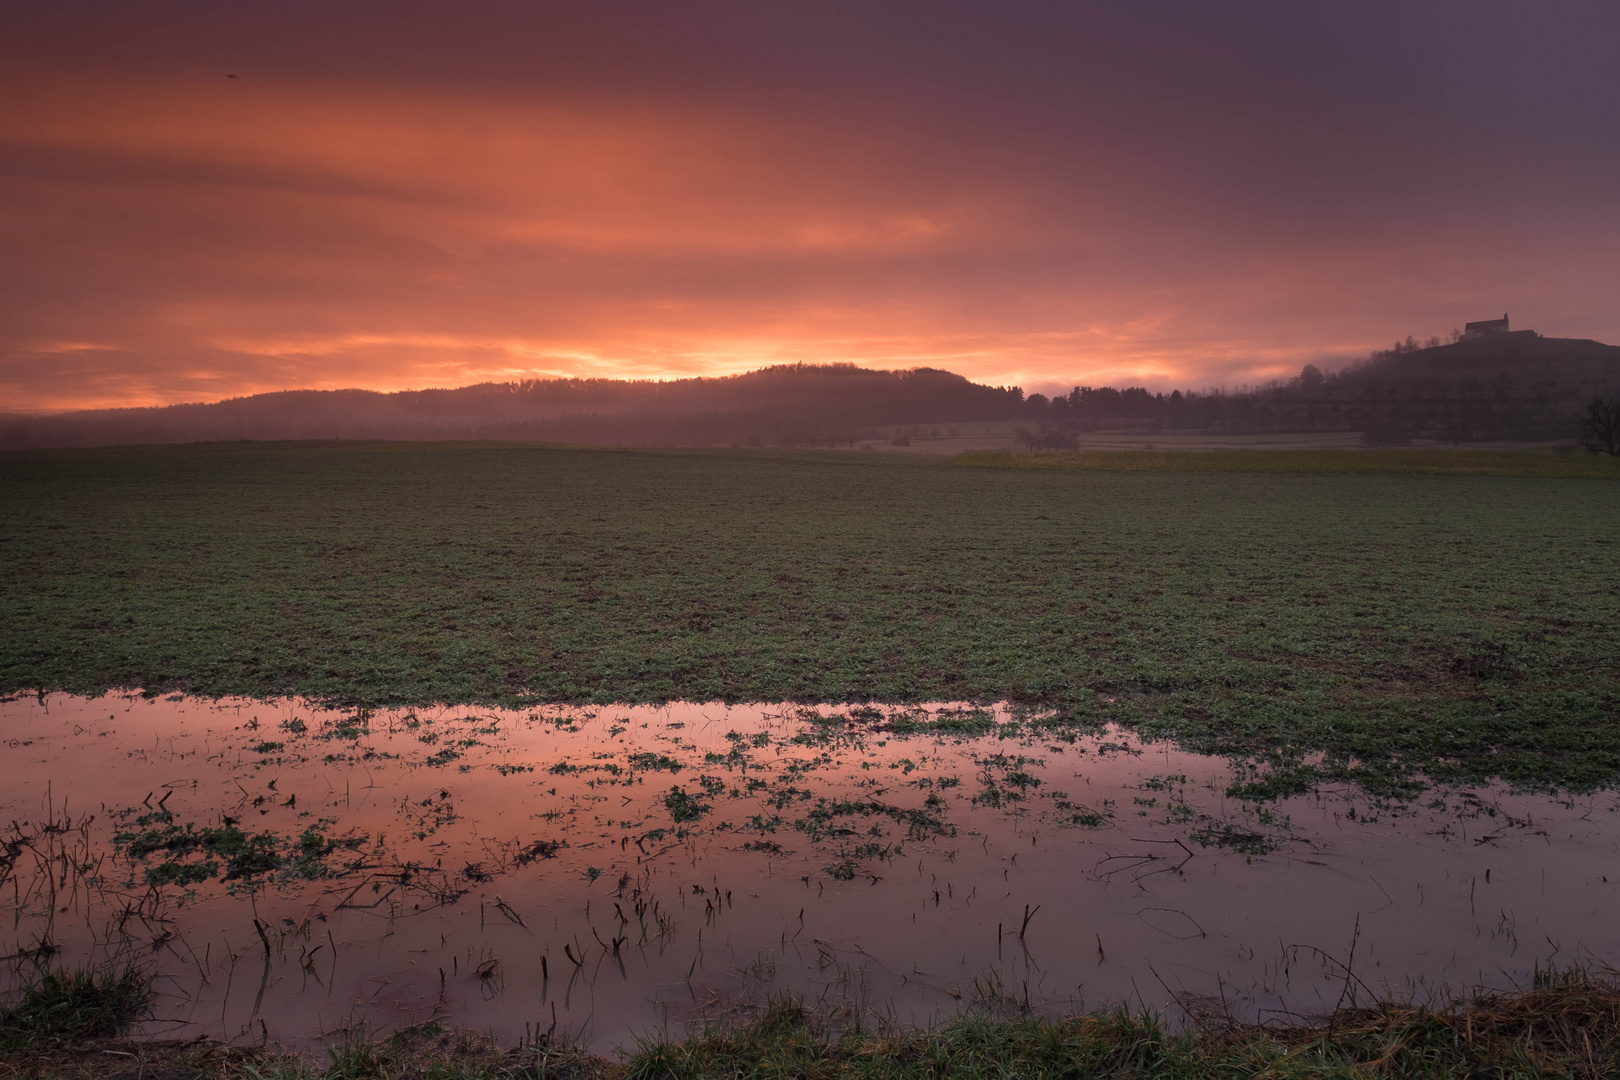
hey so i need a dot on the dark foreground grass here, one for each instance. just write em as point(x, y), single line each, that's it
point(1463, 626)
point(1567, 1026)
point(1569, 1029)
point(66, 1007)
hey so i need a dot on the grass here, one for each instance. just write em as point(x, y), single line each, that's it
point(1567, 1025)
point(1569, 1029)
point(1462, 626)
point(1430, 461)
point(70, 1006)
point(245, 856)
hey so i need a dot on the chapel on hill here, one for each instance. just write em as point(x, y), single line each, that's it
point(1486, 326)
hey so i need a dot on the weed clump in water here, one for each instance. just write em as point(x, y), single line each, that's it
point(651, 762)
point(244, 856)
point(842, 870)
point(1233, 837)
point(683, 807)
point(175, 872)
point(69, 1006)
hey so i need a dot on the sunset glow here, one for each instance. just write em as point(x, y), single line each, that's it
point(1041, 196)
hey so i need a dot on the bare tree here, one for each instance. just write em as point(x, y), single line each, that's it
point(1600, 426)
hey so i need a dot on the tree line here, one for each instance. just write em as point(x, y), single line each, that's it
point(1511, 387)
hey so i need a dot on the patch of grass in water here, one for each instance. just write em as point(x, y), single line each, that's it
point(962, 724)
point(1234, 837)
point(842, 869)
point(345, 731)
point(69, 1006)
point(683, 807)
point(1277, 783)
point(651, 762)
point(925, 823)
point(307, 858)
point(245, 856)
point(761, 824)
point(174, 872)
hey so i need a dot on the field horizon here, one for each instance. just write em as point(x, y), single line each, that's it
point(1500, 389)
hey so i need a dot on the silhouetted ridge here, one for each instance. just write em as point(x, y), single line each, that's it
point(790, 404)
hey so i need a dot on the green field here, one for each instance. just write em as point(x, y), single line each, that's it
point(1461, 625)
point(1568, 465)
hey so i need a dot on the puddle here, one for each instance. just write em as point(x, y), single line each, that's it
point(290, 872)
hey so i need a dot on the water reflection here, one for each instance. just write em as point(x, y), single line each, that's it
point(291, 871)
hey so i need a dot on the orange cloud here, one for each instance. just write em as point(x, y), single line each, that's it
point(189, 238)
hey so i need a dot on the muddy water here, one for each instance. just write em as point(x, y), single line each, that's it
point(291, 872)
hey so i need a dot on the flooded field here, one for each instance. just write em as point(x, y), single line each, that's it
point(292, 872)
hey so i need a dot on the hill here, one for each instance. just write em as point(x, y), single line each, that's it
point(798, 404)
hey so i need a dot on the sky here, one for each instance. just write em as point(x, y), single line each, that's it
point(200, 201)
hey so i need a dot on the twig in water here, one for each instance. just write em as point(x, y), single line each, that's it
point(506, 909)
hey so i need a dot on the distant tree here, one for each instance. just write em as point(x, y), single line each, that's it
point(1455, 335)
point(1600, 426)
point(1310, 377)
point(1047, 439)
point(1454, 432)
point(1061, 440)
